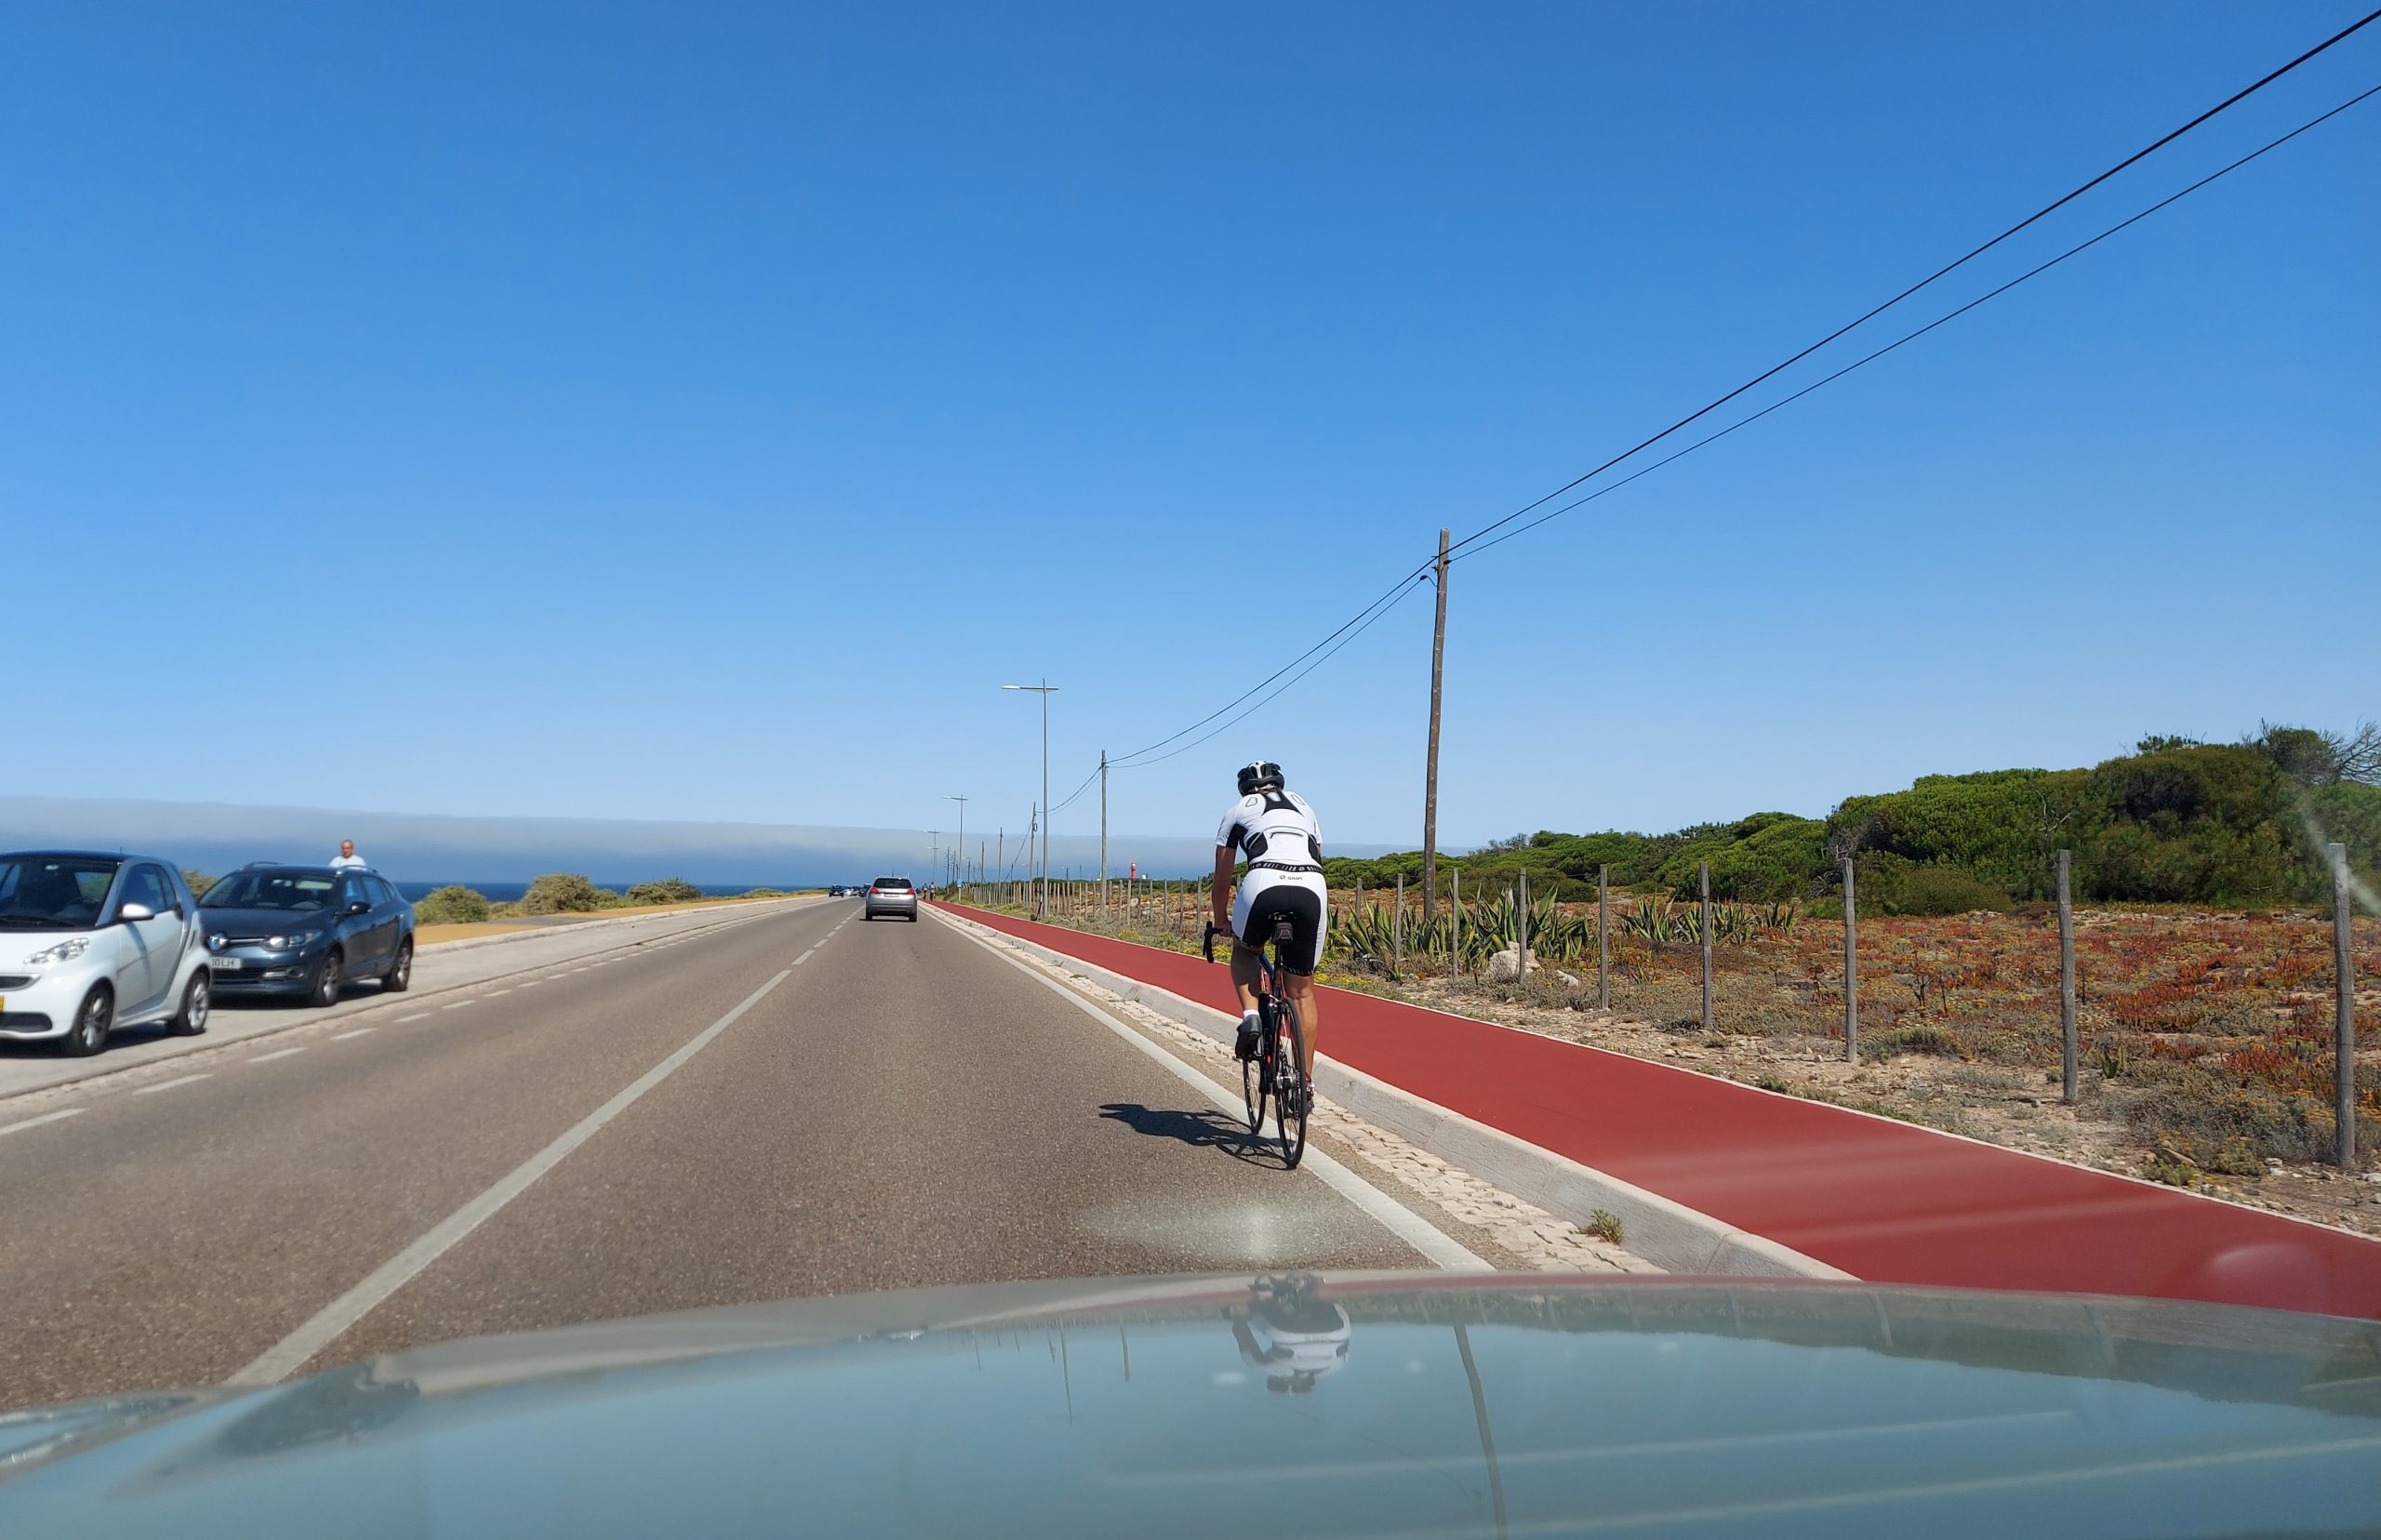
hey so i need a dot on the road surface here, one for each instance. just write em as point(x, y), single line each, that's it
point(797, 1104)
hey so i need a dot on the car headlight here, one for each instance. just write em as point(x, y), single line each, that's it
point(295, 941)
point(65, 951)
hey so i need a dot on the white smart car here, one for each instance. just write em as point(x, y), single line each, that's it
point(91, 942)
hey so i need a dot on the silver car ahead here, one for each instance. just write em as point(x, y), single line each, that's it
point(91, 942)
point(892, 895)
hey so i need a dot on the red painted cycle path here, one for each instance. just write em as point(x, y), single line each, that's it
point(1883, 1201)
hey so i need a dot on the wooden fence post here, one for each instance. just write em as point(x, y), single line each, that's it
point(1604, 949)
point(2342, 1013)
point(1521, 927)
point(2069, 1050)
point(1400, 924)
point(1704, 875)
point(1851, 973)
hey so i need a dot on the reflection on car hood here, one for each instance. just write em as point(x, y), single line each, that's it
point(230, 921)
point(1512, 1404)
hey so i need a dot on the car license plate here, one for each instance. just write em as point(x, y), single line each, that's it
point(225, 965)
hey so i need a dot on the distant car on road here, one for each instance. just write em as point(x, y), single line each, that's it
point(892, 895)
point(91, 942)
point(308, 930)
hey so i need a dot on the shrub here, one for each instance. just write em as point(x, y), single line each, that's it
point(565, 893)
point(1932, 890)
point(452, 905)
point(198, 882)
point(673, 890)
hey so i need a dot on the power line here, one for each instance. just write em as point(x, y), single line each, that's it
point(1390, 595)
point(1363, 618)
point(1402, 591)
point(2038, 214)
point(1914, 336)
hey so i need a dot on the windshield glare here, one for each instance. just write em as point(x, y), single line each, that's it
point(54, 891)
point(300, 892)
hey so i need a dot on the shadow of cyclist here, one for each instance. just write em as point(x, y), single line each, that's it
point(1207, 1130)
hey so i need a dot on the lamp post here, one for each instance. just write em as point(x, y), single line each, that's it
point(1041, 894)
point(959, 844)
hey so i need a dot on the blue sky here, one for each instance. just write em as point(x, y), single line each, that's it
point(699, 412)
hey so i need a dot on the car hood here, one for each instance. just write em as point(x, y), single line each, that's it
point(1509, 1404)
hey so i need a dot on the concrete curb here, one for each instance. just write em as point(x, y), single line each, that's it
point(1666, 1233)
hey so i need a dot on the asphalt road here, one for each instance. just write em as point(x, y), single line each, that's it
point(800, 1104)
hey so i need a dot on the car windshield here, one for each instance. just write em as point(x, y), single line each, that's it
point(299, 892)
point(1692, 629)
point(54, 891)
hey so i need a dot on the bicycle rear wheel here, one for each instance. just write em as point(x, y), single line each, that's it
point(1290, 1093)
point(1256, 1073)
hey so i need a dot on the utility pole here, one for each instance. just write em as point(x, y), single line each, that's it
point(1430, 775)
point(1103, 836)
point(1044, 689)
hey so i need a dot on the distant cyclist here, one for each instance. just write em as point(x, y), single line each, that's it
point(1277, 830)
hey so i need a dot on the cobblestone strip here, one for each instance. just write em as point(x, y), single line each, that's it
point(1534, 1238)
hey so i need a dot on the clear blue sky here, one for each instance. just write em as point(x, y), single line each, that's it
point(700, 411)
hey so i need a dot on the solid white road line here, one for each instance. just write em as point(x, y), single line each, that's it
point(1398, 1220)
point(342, 1037)
point(268, 1058)
point(45, 1118)
point(292, 1352)
point(169, 1085)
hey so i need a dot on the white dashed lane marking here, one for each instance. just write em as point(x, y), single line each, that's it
point(455, 1005)
point(415, 1016)
point(169, 1085)
point(268, 1058)
point(342, 1037)
point(44, 1118)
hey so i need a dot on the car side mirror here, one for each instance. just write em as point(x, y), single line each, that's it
point(126, 913)
point(359, 907)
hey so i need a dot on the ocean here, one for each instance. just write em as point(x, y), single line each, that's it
point(509, 893)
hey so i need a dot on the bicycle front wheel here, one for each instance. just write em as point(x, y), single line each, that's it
point(1290, 1093)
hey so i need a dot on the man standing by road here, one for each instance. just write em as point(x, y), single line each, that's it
point(347, 855)
point(1283, 844)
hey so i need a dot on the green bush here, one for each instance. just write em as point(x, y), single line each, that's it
point(452, 905)
point(565, 893)
point(673, 890)
point(1769, 858)
point(1886, 887)
point(198, 882)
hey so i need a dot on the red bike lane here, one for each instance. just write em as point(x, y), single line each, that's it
point(1883, 1201)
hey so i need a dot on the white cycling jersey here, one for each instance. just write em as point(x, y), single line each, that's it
point(1278, 833)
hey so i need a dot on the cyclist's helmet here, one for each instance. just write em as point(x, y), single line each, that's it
point(1259, 775)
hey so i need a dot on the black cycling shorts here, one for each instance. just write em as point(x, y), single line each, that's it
point(1303, 950)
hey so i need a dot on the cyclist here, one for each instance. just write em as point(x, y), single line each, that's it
point(1283, 844)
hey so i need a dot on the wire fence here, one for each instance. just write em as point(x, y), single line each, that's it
point(2229, 1038)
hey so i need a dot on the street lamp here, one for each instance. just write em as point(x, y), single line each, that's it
point(960, 847)
point(1041, 898)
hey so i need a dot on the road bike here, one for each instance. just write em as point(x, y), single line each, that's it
point(1274, 1074)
